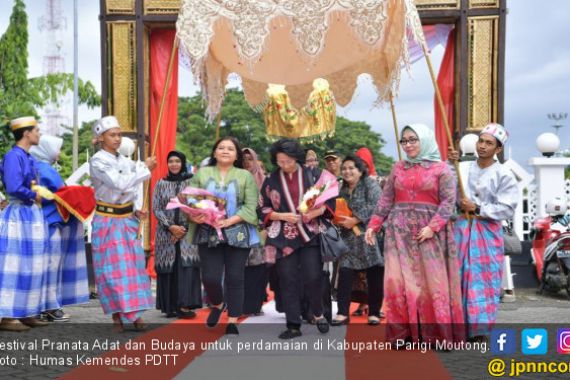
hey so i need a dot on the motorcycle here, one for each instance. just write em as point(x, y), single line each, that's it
point(551, 248)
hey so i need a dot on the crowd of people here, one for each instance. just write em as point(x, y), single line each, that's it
point(422, 253)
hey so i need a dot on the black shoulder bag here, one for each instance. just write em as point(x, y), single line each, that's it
point(331, 244)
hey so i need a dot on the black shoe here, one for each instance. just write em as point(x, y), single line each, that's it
point(56, 315)
point(338, 322)
point(231, 329)
point(373, 320)
point(215, 314)
point(189, 314)
point(323, 325)
point(170, 314)
point(290, 334)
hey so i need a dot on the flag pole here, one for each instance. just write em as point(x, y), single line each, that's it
point(158, 124)
point(443, 113)
point(395, 126)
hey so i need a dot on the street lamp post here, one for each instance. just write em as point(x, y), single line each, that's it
point(75, 151)
point(557, 118)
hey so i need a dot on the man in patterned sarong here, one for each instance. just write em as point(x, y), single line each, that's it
point(491, 196)
point(118, 257)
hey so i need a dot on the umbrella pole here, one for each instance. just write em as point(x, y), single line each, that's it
point(443, 114)
point(395, 125)
point(158, 124)
point(218, 124)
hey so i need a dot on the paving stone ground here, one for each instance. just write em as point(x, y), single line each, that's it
point(89, 321)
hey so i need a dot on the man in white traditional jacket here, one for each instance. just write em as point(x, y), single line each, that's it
point(491, 196)
point(123, 285)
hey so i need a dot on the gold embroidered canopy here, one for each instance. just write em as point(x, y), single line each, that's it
point(293, 42)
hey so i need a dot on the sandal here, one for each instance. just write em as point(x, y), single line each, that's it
point(139, 324)
point(360, 311)
point(117, 323)
point(373, 320)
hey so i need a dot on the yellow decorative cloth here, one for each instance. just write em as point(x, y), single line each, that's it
point(315, 121)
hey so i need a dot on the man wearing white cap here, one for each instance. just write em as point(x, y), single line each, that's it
point(23, 234)
point(491, 196)
point(123, 285)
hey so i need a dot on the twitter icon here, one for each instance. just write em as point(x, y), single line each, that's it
point(534, 341)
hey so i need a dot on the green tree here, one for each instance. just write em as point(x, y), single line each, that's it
point(349, 137)
point(20, 95)
point(14, 89)
point(196, 136)
point(86, 149)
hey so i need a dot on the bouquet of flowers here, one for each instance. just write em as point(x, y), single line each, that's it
point(326, 188)
point(200, 202)
point(341, 210)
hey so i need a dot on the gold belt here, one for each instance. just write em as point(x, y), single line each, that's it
point(108, 209)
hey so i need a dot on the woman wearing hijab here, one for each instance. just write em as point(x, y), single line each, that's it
point(67, 271)
point(176, 259)
point(311, 159)
point(255, 280)
point(421, 285)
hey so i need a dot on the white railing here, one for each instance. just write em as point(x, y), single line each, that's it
point(527, 213)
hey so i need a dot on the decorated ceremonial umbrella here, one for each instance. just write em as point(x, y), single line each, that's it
point(293, 49)
point(293, 42)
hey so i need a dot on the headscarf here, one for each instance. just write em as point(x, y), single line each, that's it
point(183, 174)
point(428, 146)
point(255, 170)
point(366, 155)
point(310, 153)
point(48, 148)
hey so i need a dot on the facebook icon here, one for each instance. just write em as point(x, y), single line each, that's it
point(503, 341)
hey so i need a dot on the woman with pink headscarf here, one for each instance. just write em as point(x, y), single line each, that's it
point(255, 269)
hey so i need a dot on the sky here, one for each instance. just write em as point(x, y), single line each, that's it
point(537, 72)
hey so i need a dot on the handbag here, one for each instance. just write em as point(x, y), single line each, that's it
point(240, 235)
point(332, 245)
point(237, 235)
point(512, 243)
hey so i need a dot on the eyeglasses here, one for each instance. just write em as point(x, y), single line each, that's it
point(311, 160)
point(410, 141)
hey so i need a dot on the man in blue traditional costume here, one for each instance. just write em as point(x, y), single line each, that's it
point(23, 234)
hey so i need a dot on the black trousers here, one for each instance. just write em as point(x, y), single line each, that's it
point(229, 262)
point(375, 279)
point(302, 268)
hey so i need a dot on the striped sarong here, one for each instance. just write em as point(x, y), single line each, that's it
point(23, 260)
point(481, 253)
point(67, 270)
point(122, 282)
